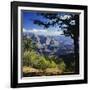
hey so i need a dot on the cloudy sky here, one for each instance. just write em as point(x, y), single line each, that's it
point(44, 32)
point(29, 26)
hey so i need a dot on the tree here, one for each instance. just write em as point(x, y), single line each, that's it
point(29, 44)
point(69, 23)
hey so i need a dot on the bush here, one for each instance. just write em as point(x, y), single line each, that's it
point(26, 58)
point(62, 65)
point(40, 63)
point(29, 58)
point(33, 59)
point(51, 64)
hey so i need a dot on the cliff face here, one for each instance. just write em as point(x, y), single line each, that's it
point(52, 45)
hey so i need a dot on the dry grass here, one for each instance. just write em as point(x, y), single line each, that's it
point(53, 71)
point(37, 72)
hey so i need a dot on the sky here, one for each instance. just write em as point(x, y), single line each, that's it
point(28, 17)
point(29, 27)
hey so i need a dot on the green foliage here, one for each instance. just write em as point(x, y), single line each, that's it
point(35, 60)
point(70, 67)
point(26, 58)
point(40, 63)
point(28, 44)
point(51, 64)
point(31, 58)
point(62, 65)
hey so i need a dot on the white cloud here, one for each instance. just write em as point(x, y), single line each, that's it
point(72, 22)
point(64, 25)
point(44, 32)
point(65, 17)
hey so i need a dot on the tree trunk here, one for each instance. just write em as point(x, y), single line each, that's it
point(76, 43)
point(76, 52)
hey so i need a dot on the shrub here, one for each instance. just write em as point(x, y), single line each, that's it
point(51, 64)
point(62, 65)
point(32, 58)
point(26, 58)
point(41, 63)
point(29, 58)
